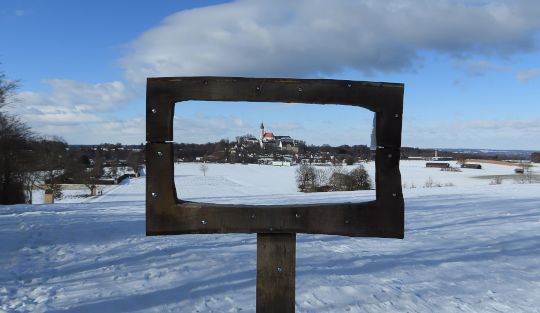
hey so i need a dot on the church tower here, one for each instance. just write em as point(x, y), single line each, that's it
point(261, 143)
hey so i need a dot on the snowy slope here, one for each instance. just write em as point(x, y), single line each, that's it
point(470, 248)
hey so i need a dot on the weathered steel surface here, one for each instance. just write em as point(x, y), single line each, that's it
point(166, 214)
point(276, 265)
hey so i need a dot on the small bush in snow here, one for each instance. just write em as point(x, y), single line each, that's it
point(430, 184)
point(306, 178)
point(204, 168)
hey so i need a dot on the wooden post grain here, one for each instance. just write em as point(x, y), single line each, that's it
point(276, 263)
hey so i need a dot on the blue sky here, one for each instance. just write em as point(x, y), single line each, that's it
point(471, 68)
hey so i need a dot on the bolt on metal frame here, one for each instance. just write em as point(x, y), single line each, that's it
point(276, 225)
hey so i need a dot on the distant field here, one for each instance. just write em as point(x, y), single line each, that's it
point(492, 162)
point(245, 183)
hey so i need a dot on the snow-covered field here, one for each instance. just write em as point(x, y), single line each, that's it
point(472, 247)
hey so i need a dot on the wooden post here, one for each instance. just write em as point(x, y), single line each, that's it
point(276, 263)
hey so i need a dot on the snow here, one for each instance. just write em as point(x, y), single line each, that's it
point(473, 247)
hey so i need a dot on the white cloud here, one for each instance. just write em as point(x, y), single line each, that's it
point(72, 101)
point(102, 130)
point(84, 97)
point(479, 133)
point(529, 74)
point(301, 38)
point(58, 116)
point(79, 112)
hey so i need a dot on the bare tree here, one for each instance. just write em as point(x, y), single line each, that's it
point(7, 88)
point(51, 164)
point(134, 161)
point(204, 168)
point(114, 168)
point(322, 175)
point(90, 177)
point(356, 179)
point(527, 177)
point(14, 139)
point(429, 183)
point(306, 178)
point(497, 180)
point(30, 180)
point(360, 178)
point(12, 146)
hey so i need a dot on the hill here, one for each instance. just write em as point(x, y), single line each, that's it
point(473, 247)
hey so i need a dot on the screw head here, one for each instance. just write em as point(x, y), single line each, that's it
point(258, 88)
point(159, 154)
point(279, 269)
point(300, 89)
point(204, 222)
point(252, 216)
point(396, 115)
point(297, 215)
point(394, 194)
point(349, 85)
point(154, 111)
point(154, 195)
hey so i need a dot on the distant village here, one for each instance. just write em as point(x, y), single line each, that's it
point(270, 148)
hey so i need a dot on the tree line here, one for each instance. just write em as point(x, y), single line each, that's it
point(225, 151)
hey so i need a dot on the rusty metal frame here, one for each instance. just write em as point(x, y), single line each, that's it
point(168, 215)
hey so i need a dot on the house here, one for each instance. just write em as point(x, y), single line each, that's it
point(281, 163)
point(437, 165)
point(471, 165)
point(284, 143)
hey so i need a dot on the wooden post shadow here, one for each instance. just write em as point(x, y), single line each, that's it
point(276, 225)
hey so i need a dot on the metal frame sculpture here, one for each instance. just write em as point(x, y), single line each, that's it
point(276, 225)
